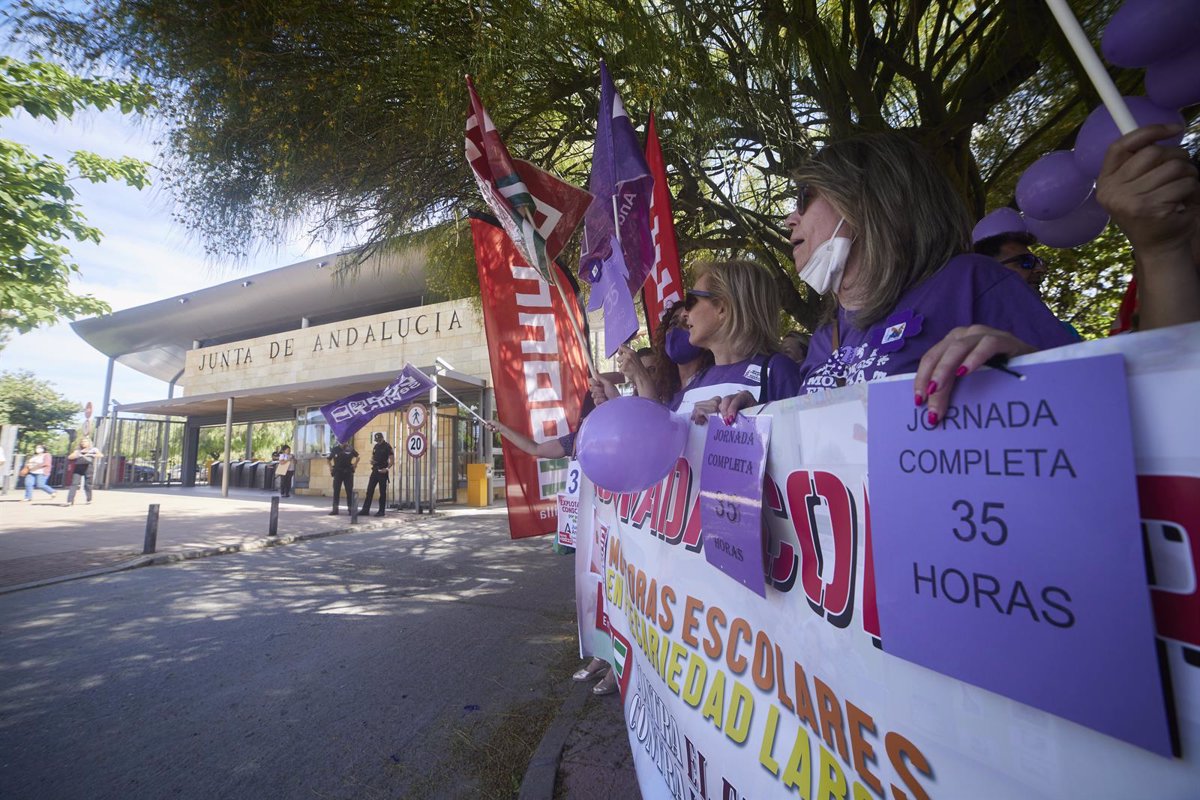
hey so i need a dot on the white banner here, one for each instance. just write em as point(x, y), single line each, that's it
point(591, 613)
point(729, 695)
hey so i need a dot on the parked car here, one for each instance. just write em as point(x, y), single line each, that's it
point(143, 474)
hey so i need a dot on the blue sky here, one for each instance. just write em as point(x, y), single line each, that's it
point(143, 256)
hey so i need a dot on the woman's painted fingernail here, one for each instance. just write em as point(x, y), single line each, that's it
point(961, 371)
point(931, 388)
point(932, 417)
point(918, 400)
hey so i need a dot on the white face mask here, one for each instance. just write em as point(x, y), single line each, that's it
point(825, 266)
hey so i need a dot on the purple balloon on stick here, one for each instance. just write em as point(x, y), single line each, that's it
point(1174, 82)
point(1099, 131)
point(1145, 31)
point(1081, 225)
point(1053, 186)
point(628, 444)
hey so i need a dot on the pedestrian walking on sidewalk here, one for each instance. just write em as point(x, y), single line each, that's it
point(343, 459)
point(85, 457)
point(37, 473)
point(382, 460)
point(285, 469)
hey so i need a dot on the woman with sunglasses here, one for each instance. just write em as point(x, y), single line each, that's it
point(734, 313)
point(881, 230)
point(672, 363)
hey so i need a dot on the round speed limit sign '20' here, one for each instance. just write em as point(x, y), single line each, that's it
point(416, 444)
point(415, 416)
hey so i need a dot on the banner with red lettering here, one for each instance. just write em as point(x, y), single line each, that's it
point(538, 369)
point(664, 284)
point(732, 695)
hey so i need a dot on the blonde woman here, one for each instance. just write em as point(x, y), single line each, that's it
point(733, 312)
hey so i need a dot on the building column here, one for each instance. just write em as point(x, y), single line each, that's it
point(489, 400)
point(164, 448)
point(191, 451)
point(109, 418)
point(108, 378)
point(431, 456)
point(228, 446)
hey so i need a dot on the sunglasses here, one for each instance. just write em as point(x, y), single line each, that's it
point(803, 198)
point(693, 297)
point(1027, 261)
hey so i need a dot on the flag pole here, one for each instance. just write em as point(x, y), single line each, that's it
point(587, 353)
point(552, 271)
point(1093, 66)
point(468, 409)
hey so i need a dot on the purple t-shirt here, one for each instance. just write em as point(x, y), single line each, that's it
point(968, 290)
point(782, 379)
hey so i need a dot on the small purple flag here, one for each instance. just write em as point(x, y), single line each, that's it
point(610, 293)
point(348, 415)
point(623, 186)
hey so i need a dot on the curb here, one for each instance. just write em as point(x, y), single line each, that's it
point(542, 772)
point(155, 559)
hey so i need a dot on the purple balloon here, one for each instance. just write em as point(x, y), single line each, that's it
point(628, 444)
point(1144, 31)
point(1099, 131)
point(1081, 225)
point(1174, 82)
point(1052, 186)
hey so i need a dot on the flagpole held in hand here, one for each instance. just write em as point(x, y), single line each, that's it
point(1093, 66)
point(433, 379)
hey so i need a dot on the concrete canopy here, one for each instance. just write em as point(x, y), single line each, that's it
point(154, 338)
point(265, 402)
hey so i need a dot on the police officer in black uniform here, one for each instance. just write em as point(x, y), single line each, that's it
point(343, 458)
point(382, 460)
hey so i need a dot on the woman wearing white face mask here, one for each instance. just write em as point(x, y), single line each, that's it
point(37, 473)
point(881, 229)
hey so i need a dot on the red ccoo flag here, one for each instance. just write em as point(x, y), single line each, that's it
point(538, 211)
point(664, 284)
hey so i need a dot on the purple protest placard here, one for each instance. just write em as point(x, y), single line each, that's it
point(348, 415)
point(731, 497)
point(1007, 543)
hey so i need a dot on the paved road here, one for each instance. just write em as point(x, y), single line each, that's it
point(422, 661)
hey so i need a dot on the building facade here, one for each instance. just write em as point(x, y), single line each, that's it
point(274, 348)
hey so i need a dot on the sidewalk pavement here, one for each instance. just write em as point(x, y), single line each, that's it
point(45, 539)
point(584, 755)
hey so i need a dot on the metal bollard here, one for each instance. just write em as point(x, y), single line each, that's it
point(353, 507)
point(273, 525)
point(151, 530)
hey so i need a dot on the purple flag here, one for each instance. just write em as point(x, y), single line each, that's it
point(348, 415)
point(610, 293)
point(623, 186)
